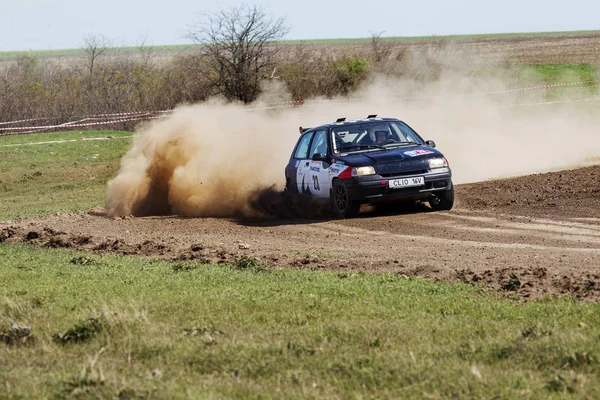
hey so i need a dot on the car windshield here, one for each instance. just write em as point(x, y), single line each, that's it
point(373, 134)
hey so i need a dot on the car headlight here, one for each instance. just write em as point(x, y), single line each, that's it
point(437, 163)
point(362, 171)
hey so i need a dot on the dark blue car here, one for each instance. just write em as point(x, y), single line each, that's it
point(349, 163)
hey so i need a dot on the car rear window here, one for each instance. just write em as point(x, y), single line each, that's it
point(302, 148)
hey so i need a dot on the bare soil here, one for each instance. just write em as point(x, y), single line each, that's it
point(524, 237)
point(545, 49)
point(577, 48)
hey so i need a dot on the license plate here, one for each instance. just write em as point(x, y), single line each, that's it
point(407, 182)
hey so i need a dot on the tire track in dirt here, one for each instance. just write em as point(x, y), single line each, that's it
point(548, 248)
point(409, 244)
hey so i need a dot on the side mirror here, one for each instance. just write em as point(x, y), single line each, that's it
point(318, 157)
point(430, 143)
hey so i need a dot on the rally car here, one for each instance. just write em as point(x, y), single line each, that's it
point(349, 163)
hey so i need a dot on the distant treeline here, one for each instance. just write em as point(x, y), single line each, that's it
point(66, 88)
point(32, 87)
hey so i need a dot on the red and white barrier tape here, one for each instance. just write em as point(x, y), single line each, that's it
point(147, 115)
point(293, 103)
point(74, 125)
point(97, 116)
point(26, 120)
point(555, 85)
point(556, 102)
point(130, 136)
point(130, 113)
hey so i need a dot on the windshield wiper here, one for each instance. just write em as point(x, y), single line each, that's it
point(363, 146)
point(402, 144)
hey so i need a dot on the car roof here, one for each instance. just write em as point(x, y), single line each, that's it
point(349, 122)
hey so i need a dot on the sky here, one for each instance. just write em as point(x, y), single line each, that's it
point(63, 24)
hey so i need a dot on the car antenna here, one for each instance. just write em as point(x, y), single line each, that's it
point(341, 119)
point(372, 115)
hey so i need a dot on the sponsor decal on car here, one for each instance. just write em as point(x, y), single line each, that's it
point(415, 153)
point(315, 168)
point(336, 168)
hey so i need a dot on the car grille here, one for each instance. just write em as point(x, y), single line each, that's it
point(398, 174)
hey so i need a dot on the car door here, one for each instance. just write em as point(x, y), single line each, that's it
point(298, 164)
point(318, 170)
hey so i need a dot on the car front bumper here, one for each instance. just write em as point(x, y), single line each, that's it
point(374, 188)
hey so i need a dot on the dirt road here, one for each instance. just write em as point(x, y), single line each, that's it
point(525, 236)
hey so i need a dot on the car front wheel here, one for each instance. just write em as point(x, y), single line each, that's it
point(343, 204)
point(442, 201)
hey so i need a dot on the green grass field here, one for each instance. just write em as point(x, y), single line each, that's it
point(544, 74)
point(558, 73)
point(125, 327)
point(43, 179)
point(80, 52)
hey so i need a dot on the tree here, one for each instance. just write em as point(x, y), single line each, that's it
point(240, 45)
point(94, 46)
point(381, 49)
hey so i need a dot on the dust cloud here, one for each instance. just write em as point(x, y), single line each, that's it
point(203, 160)
point(217, 159)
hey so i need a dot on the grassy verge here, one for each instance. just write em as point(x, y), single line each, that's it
point(122, 327)
point(523, 75)
point(80, 52)
point(42, 179)
point(558, 73)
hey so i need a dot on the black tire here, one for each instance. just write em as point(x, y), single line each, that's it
point(341, 201)
point(287, 185)
point(289, 188)
point(442, 201)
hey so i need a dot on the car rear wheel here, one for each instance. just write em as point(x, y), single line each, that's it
point(442, 201)
point(288, 186)
point(343, 204)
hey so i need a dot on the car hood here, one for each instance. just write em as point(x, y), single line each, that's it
point(413, 159)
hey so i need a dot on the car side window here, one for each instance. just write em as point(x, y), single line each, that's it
point(302, 148)
point(319, 144)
